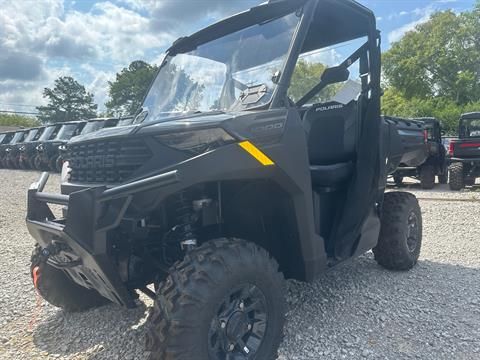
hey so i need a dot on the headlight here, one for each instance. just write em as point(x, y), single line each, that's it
point(7, 150)
point(62, 147)
point(22, 148)
point(65, 175)
point(39, 147)
point(197, 141)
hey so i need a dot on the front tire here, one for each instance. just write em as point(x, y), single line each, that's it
point(38, 164)
point(400, 237)
point(457, 177)
point(59, 290)
point(427, 177)
point(225, 299)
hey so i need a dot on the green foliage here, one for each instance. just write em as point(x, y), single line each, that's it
point(439, 59)
point(67, 101)
point(434, 70)
point(444, 109)
point(129, 88)
point(18, 120)
point(305, 77)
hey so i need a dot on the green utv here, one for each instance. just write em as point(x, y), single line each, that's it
point(227, 183)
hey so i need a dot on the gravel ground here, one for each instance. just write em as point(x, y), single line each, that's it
point(356, 311)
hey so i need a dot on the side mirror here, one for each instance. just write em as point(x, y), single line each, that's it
point(335, 75)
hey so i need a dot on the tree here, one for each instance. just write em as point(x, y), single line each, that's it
point(67, 101)
point(17, 120)
point(439, 59)
point(304, 79)
point(444, 109)
point(129, 88)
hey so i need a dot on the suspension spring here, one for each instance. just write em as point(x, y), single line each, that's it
point(185, 229)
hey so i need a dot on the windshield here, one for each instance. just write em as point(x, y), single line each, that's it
point(31, 134)
point(47, 133)
point(235, 72)
point(92, 126)
point(470, 128)
point(18, 137)
point(67, 131)
point(125, 122)
point(2, 137)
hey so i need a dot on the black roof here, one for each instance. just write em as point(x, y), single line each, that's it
point(335, 21)
point(428, 120)
point(470, 116)
point(72, 122)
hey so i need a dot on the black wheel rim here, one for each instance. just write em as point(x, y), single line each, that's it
point(238, 329)
point(412, 232)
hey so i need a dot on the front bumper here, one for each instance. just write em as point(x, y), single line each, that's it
point(82, 235)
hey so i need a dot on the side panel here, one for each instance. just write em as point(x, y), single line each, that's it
point(290, 171)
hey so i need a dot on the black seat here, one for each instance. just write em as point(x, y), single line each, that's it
point(331, 134)
point(331, 175)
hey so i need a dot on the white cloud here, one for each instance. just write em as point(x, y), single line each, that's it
point(423, 13)
point(38, 38)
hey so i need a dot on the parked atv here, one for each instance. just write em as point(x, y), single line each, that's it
point(465, 153)
point(28, 153)
point(8, 151)
point(49, 151)
point(14, 155)
point(5, 139)
point(226, 185)
point(433, 164)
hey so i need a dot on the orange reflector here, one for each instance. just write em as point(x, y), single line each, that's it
point(35, 273)
point(256, 153)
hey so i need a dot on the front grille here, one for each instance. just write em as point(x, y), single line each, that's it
point(106, 161)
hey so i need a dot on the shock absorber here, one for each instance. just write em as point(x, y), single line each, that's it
point(185, 220)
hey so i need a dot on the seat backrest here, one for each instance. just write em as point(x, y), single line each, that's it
point(331, 130)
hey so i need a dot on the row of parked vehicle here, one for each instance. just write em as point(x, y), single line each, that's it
point(43, 148)
point(431, 155)
point(453, 160)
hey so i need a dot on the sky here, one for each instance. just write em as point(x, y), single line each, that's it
point(41, 40)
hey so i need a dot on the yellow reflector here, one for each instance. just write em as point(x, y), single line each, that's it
point(256, 153)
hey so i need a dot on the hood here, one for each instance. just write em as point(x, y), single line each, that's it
point(104, 133)
point(178, 124)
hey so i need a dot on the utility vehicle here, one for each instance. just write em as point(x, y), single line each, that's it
point(49, 150)
point(14, 155)
point(432, 163)
point(31, 152)
point(5, 139)
point(231, 179)
point(465, 152)
point(8, 161)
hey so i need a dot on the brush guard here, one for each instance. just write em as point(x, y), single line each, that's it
point(83, 232)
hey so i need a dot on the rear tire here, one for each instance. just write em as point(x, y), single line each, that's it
point(400, 237)
point(427, 176)
point(58, 289)
point(214, 300)
point(457, 177)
